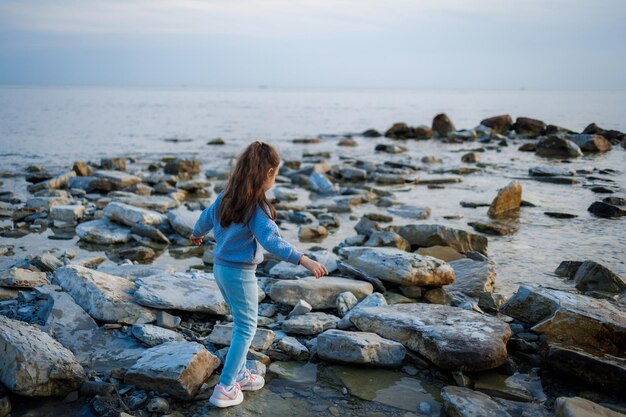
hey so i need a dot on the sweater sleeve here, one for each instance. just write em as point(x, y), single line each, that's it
point(267, 233)
point(205, 223)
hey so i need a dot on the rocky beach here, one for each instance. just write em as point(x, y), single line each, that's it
point(474, 271)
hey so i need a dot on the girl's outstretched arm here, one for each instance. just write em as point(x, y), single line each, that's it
point(203, 225)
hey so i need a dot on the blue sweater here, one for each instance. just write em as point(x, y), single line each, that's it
point(239, 245)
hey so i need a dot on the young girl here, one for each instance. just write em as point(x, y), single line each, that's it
point(242, 218)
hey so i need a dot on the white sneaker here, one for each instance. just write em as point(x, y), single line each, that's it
point(250, 382)
point(222, 397)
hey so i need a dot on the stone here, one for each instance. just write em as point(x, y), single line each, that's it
point(345, 302)
point(499, 124)
point(450, 337)
point(34, 364)
point(197, 292)
point(557, 147)
point(153, 335)
point(423, 132)
point(128, 215)
point(22, 278)
point(388, 239)
point(399, 130)
point(66, 215)
point(103, 232)
point(529, 127)
point(591, 143)
point(308, 233)
point(158, 405)
point(508, 199)
point(175, 368)
point(115, 180)
point(591, 276)
point(397, 266)
point(183, 221)
point(570, 319)
point(427, 235)
point(517, 387)
point(293, 348)
point(132, 271)
point(320, 184)
point(105, 297)
point(464, 402)
point(373, 300)
point(319, 293)
point(580, 407)
point(528, 147)
point(390, 148)
point(52, 184)
point(150, 232)
point(602, 209)
point(157, 203)
point(288, 271)
point(550, 172)
point(301, 307)
point(494, 228)
point(193, 185)
point(359, 348)
point(445, 253)
point(168, 321)
point(470, 158)
point(473, 277)
point(442, 126)
point(222, 335)
point(567, 269)
point(310, 323)
point(182, 167)
point(372, 133)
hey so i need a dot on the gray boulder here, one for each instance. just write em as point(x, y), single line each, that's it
point(310, 323)
point(427, 235)
point(103, 232)
point(320, 293)
point(359, 348)
point(473, 277)
point(128, 215)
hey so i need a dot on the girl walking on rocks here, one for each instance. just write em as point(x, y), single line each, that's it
point(242, 220)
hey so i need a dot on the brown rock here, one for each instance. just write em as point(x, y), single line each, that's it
point(508, 199)
point(499, 124)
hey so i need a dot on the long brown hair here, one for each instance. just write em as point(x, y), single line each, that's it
point(245, 185)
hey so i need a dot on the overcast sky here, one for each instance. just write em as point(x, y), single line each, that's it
point(494, 44)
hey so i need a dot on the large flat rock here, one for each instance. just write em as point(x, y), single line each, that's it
point(183, 221)
point(175, 368)
point(580, 407)
point(182, 291)
point(102, 231)
point(33, 363)
point(115, 180)
point(464, 402)
point(426, 235)
point(105, 297)
point(359, 348)
point(570, 319)
point(473, 277)
point(452, 338)
point(320, 293)
point(128, 215)
point(398, 266)
point(310, 323)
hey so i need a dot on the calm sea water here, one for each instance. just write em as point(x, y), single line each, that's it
point(55, 126)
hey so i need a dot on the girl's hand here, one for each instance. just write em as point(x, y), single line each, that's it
point(195, 240)
point(316, 268)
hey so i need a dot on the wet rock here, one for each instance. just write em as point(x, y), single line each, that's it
point(347, 142)
point(397, 266)
point(580, 407)
point(591, 143)
point(366, 226)
point(310, 323)
point(168, 321)
point(115, 180)
point(399, 131)
point(348, 173)
point(293, 348)
point(193, 185)
point(287, 270)
point(422, 132)
point(390, 148)
point(591, 276)
point(463, 402)
point(149, 232)
point(372, 133)
point(130, 215)
point(103, 232)
point(410, 212)
point(157, 203)
point(373, 300)
point(53, 183)
point(557, 147)
point(66, 215)
point(105, 297)
point(301, 307)
point(550, 172)
point(320, 184)
point(470, 158)
point(445, 253)
point(442, 126)
point(183, 221)
point(517, 387)
point(222, 335)
point(34, 364)
point(616, 201)
point(559, 215)
point(388, 239)
point(22, 278)
point(359, 348)
point(473, 277)
point(452, 338)
point(308, 233)
point(509, 199)
point(528, 147)
point(529, 127)
point(599, 370)
point(614, 136)
point(182, 167)
point(158, 405)
point(499, 124)
point(182, 291)
point(133, 271)
point(175, 368)
point(567, 269)
point(427, 235)
point(44, 203)
point(138, 253)
point(345, 302)
point(557, 180)
point(153, 335)
point(570, 319)
point(605, 210)
point(320, 293)
point(497, 229)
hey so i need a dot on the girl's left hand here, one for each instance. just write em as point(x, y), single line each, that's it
point(195, 240)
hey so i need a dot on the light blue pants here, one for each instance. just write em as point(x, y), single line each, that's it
point(239, 289)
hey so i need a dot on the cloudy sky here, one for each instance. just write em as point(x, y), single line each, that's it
point(494, 44)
